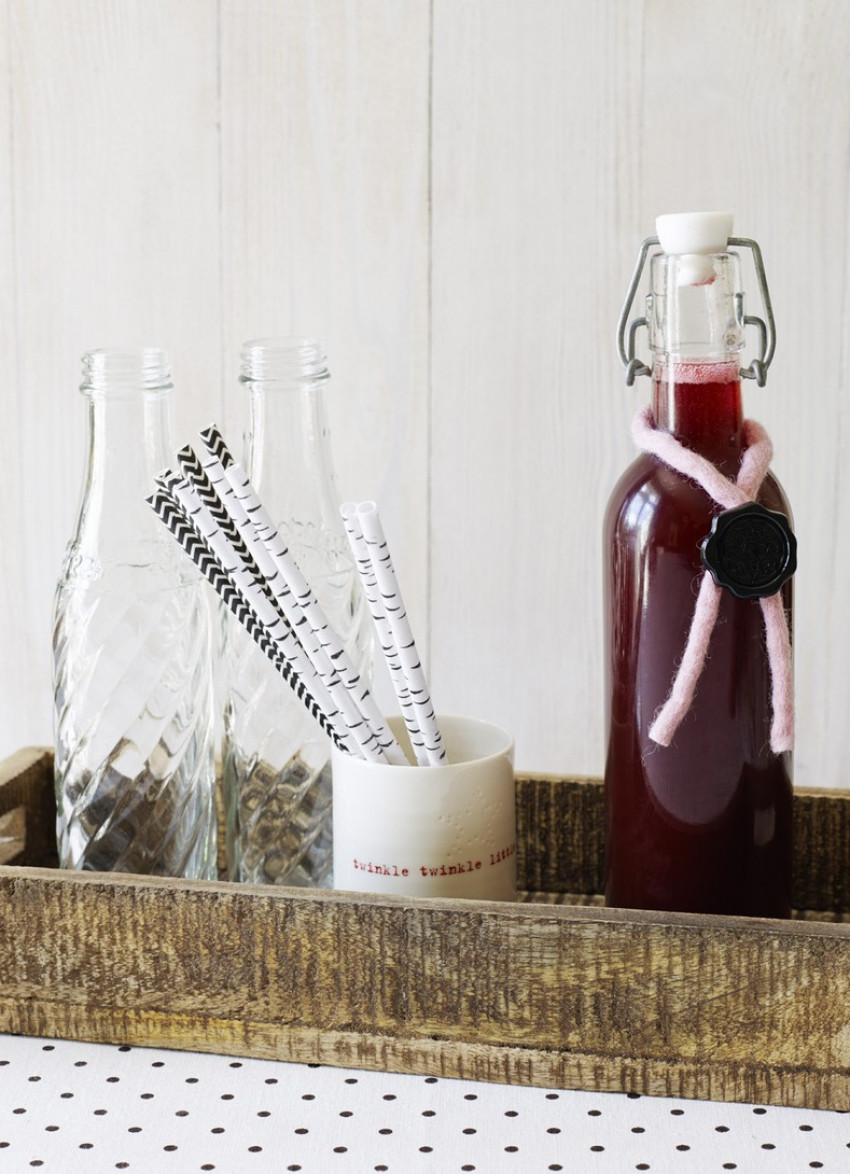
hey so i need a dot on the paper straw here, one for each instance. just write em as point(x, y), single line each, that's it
point(265, 611)
point(393, 604)
point(216, 446)
point(172, 516)
point(289, 585)
point(194, 472)
point(239, 529)
point(363, 562)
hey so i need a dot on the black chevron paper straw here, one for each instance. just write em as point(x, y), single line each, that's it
point(319, 640)
point(263, 608)
point(172, 516)
point(194, 471)
point(215, 444)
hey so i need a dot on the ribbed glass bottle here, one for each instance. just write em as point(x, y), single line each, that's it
point(277, 776)
point(132, 675)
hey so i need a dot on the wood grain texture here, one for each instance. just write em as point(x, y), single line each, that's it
point(561, 841)
point(560, 835)
point(26, 785)
point(547, 994)
point(658, 1003)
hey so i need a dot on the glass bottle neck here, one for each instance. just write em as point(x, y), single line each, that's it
point(129, 443)
point(701, 405)
point(288, 453)
point(695, 316)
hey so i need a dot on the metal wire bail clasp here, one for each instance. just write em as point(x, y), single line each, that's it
point(627, 331)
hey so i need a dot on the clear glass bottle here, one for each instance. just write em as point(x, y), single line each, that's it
point(132, 664)
point(277, 780)
point(703, 825)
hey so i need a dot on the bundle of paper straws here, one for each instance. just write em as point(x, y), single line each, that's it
point(214, 513)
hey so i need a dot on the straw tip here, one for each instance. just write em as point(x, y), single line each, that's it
point(167, 478)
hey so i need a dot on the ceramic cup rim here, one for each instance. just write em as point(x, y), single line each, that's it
point(452, 725)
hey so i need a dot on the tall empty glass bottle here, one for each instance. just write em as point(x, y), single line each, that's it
point(133, 706)
point(276, 759)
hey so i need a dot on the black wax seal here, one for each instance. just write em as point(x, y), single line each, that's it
point(751, 551)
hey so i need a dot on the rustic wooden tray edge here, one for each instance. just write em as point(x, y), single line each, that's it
point(552, 995)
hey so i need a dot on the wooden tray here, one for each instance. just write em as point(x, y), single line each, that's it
point(556, 991)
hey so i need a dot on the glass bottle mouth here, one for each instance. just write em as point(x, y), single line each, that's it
point(284, 360)
point(126, 370)
point(695, 306)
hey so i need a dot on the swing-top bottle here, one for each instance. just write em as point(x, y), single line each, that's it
point(704, 823)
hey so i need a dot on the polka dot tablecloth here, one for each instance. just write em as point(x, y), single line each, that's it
point(72, 1108)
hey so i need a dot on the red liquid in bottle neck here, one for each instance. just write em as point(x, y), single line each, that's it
point(705, 824)
point(700, 403)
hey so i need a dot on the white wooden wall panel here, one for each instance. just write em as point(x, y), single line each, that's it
point(115, 196)
point(325, 231)
point(451, 194)
point(536, 168)
point(17, 637)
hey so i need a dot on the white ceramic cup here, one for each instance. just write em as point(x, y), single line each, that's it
point(429, 831)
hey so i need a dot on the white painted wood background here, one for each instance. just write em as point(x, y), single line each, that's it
point(450, 193)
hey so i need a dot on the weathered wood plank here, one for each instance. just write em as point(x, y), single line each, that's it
point(537, 993)
point(561, 833)
point(26, 781)
point(561, 843)
point(655, 1002)
point(13, 838)
point(750, 1082)
point(822, 850)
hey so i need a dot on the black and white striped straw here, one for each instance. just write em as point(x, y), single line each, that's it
point(172, 516)
point(400, 635)
point(257, 574)
point(214, 513)
point(363, 562)
point(296, 598)
point(256, 599)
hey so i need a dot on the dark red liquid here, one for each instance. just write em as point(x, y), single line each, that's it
point(703, 825)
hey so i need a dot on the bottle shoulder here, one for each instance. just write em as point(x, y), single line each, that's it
point(773, 496)
point(633, 478)
point(648, 493)
point(153, 566)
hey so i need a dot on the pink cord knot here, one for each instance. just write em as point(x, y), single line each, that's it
point(730, 495)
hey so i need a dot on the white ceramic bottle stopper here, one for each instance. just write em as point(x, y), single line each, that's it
point(694, 237)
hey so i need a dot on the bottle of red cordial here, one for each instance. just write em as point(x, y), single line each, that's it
point(698, 559)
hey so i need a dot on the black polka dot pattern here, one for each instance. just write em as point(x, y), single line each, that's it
point(127, 1108)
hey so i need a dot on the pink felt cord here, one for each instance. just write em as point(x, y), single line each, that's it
point(729, 494)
